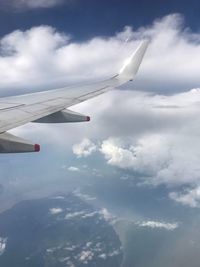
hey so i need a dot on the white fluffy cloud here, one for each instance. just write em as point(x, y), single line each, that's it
point(158, 158)
point(84, 149)
point(73, 169)
point(56, 210)
point(172, 60)
point(190, 197)
point(107, 216)
point(147, 156)
point(86, 256)
point(162, 142)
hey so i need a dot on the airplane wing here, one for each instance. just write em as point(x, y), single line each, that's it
point(51, 106)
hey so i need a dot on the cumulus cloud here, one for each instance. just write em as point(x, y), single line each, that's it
point(73, 169)
point(117, 155)
point(158, 158)
point(190, 197)
point(157, 224)
point(162, 153)
point(107, 215)
point(84, 149)
point(171, 61)
point(56, 210)
point(86, 256)
point(103, 256)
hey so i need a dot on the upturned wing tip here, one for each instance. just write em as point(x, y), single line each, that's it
point(132, 64)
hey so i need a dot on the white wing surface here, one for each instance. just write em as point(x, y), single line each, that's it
point(51, 106)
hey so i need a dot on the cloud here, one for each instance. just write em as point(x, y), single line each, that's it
point(85, 197)
point(73, 169)
point(162, 140)
point(84, 149)
point(32, 4)
point(114, 253)
point(86, 256)
point(157, 224)
point(189, 197)
point(54, 211)
point(117, 155)
point(103, 256)
point(58, 197)
point(3, 243)
point(89, 215)
point(169, 63)
point(74, 214)
point(107, 215)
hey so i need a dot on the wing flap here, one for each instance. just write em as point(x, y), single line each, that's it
point(5, 105)
point(64, 116)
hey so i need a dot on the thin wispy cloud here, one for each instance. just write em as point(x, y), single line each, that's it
point(73, 169)
point(22, 5)
point(159, 225)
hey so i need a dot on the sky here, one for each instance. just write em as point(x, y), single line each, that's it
point(139, 155)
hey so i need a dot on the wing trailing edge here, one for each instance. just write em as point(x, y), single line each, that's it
point(64, 116)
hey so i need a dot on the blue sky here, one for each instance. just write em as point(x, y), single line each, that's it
point(84, 19)
point(139, 155)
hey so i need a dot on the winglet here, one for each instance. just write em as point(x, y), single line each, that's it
point(131, 66)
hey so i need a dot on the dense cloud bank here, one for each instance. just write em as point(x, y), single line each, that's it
point(50, 58)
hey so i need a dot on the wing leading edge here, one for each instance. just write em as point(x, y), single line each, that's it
point(51, 106)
